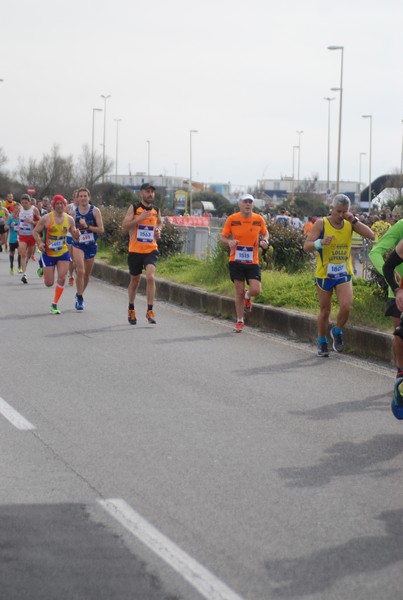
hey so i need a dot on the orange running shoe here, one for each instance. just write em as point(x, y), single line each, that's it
point(239, 327)
point(150, 317)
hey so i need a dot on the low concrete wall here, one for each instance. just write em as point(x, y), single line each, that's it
point(361, 341)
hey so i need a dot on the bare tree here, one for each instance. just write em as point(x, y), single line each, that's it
point(54, 173)
point(91, 169)
point(3, 158)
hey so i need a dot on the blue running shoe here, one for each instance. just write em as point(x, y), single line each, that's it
point(79, 303)
point(397, 402)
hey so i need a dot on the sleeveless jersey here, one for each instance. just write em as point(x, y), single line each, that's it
point(142, 237)
point(25, 229)
point(246, 231)
point(55, 241)
point(334, 261)
point(10, 205)
point(3, 215)
point(86, 237)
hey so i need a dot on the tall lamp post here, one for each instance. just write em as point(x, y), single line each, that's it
point(94, 110)
point(190, 172)
point(293, 166)
point(299, 154)
point(328, 139)
point(148, 157)
point(359, 173)
point(340, 89)
point(369, 160)
point(117, 121)
point(103, 144)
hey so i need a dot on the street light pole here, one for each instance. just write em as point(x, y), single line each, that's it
point(117, 121)
point(340, 89)
point(103, 148)
point(148, 158)
point(94, 110)
point(369, 160)
point(299, 154)
point(328, 139)
point(359, 174)
point(293, 166)
point(190, 173)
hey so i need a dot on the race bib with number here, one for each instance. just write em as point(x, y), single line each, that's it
point(335, 271)
point(244, 254)
point(86, 237)
point(56, 245)
point(145, 233)
point(26, 228)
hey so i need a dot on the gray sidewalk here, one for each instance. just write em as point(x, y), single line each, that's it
point(359, 340)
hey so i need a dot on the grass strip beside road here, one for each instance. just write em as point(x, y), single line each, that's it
point(296, 292)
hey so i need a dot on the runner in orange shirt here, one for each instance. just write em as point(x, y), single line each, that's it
point(244, 232)
point(142, 222)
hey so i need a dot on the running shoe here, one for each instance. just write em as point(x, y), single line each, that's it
point(247, 305)
point(19, 270)
point(71, 280)
point(338, 345)
point(239, 325)
point(40, 272)
point(12, 271)
point(150, 317)
point(79, 303)
point(54, 310)
point(397, 401)
point(24, 279)
point(131, 316)
point(323, 349)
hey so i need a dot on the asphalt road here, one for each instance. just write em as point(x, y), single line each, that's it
point(183, 461)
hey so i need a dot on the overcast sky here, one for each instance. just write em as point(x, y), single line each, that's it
point(246, 74)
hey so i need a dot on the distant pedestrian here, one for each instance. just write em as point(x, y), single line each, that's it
point(282, 219)
point(308, 226)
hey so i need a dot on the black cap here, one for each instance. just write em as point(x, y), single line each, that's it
point(147, 186)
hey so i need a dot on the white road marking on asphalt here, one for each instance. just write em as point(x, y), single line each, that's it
point(200, 578)
point(14, 417)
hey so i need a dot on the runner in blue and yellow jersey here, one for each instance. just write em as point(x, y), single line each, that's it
point(331, 238)
point(244, 233)
point(55, 254)
point(142, 222)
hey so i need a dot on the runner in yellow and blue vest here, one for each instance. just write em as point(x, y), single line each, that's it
point(331, 239)
point(55, 254)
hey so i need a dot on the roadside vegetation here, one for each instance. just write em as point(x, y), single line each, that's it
point(287, 272)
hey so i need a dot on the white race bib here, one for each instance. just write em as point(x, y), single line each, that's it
point(145, 233)
point(56, 245)
point(244, 254)
point(86, 237)
point(337, 270)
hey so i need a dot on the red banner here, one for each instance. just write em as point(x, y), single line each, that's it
point(189, 221)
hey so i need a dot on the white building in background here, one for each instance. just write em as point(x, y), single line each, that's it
point(279, 189)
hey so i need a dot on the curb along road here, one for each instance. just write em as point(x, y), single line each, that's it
point(363, 342)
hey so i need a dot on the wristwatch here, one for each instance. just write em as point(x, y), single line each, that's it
point(356, 220)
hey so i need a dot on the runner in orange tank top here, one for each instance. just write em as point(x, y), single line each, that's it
point(244, 232)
